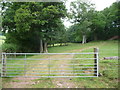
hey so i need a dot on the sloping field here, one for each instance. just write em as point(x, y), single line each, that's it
point(108, 68)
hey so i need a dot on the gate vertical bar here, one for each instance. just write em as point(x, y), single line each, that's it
point(49, 67)
point(3, 65)
point(96, 68)
point(25, 65)
point(97, 62)
point(73, 67)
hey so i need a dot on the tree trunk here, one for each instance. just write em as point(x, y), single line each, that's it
point(65, 44)
point(41, 46)
point(84, 39)
point(60, 44)
point(53, 44)
point(95, 37)
point(45, 47)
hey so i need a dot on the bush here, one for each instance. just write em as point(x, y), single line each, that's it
point(9, 48)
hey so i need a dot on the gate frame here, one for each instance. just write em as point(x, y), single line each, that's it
point(96, 62)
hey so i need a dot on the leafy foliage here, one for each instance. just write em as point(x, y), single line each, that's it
point(96, 25)
point(31, 22)
point(9, 48)
point(81, 15)
point(31, 26)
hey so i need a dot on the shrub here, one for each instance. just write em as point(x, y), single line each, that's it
point(9, 48)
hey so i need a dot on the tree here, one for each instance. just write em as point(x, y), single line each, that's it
point(53, 15)
point(112, 20)
point(81, 15)
point(98, 24)
point(71, 34)
point(32, 22)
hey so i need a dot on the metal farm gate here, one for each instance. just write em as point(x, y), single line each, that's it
point(50, 64)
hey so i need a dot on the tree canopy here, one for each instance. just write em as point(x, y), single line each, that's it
point(33, 22)
point(91, 24)
point(32, 26)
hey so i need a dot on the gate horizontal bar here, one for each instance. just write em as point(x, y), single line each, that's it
point(51, 70)
point(52, 67)
point(51, 59)
point(50, 73)
point(49, 76)
point(52, 64)
point(48, 53)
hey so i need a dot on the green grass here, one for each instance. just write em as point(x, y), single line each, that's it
point(108, 68)
point(20, 71)
point(64, 48)
point(44, 83)
point(72, 46)
point(107, 80)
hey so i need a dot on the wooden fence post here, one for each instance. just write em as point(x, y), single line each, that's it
point(4, 65)
point(96, 50)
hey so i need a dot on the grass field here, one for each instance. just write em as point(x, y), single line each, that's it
point(107, 68)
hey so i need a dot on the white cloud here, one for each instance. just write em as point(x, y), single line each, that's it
point(101, 4)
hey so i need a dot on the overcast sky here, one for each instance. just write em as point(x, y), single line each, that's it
point(99, 4)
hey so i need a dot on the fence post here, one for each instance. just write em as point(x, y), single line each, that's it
point(96, 50)
point(4, 65)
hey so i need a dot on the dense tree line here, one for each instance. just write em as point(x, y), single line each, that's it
point(90, 24)
point(32, 26)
